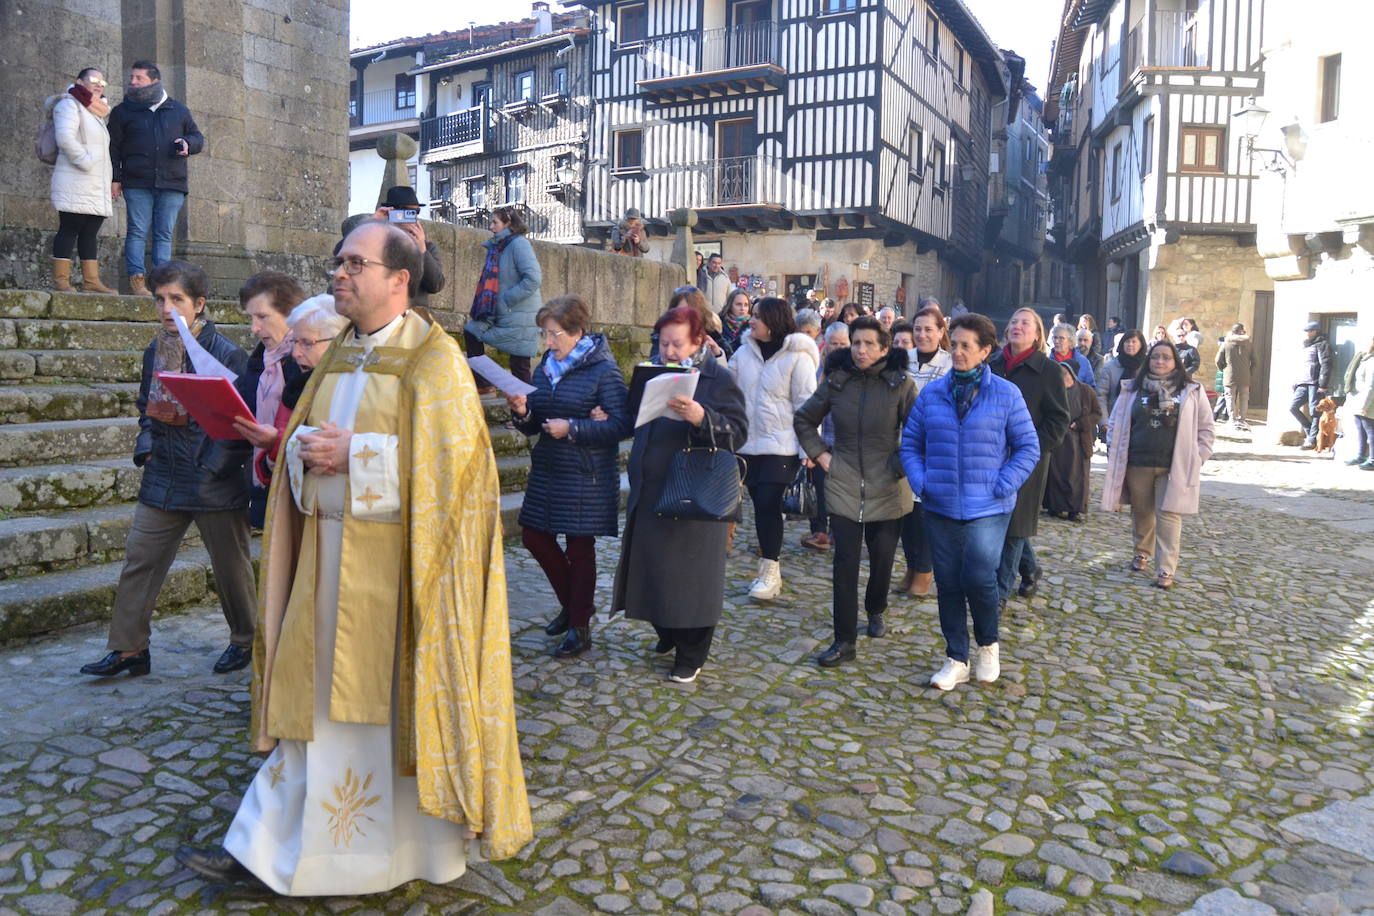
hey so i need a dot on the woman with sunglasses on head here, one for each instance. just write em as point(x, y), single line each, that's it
point(695, 299)
point(578, 410)
point(81, 178)
point(1160, 435)
point(507, 299)
point(775, 366)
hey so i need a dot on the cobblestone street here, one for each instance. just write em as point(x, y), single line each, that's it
point(1145, 751)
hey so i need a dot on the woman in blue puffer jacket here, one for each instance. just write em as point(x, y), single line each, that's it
point(578, 408)
point(968, 445)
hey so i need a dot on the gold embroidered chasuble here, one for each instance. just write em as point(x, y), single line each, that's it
point(435, 582)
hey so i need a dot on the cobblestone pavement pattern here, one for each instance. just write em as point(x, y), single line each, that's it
point(1149, 752)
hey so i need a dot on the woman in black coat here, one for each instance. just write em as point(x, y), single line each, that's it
point(574, 482)
point(672, 571)
point(178, 490)
point(1024, 363)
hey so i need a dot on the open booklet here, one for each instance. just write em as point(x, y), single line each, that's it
point(661, 388)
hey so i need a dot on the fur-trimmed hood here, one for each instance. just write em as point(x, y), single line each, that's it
point(839, 366)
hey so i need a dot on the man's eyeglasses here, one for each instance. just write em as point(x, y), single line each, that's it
point(353, 264)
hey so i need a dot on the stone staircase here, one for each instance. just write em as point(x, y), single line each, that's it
point(69, 371)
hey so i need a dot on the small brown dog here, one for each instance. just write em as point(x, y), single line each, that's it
point(1328, 426)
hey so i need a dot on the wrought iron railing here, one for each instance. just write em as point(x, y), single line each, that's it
point(732, 182)
point(714, 49)
point(468, 126)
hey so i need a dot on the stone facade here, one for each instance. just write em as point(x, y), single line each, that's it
point(1209, 278)
point(267, 81)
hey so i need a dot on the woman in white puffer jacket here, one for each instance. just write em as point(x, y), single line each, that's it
point(775, 366)
point(81, 177)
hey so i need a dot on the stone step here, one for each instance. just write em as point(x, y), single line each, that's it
point(66, 440)
point(61, 334)
point(58, 487)
point(34, 403)
point(22, 303)
point(34, 544)
point(71, 365)
point(33, 605)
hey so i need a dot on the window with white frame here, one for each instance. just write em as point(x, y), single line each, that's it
point(524, 86)
point(477, 191)
point(515, 183)
point(916, 151)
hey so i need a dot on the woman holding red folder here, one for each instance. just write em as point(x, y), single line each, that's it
point(178, 490)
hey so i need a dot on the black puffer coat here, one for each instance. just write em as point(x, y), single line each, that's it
point(174, 480)
point(866, 482)
point(574, 484)
point(1042, 387)
point(141, 144)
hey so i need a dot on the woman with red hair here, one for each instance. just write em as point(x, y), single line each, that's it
point(672, 571)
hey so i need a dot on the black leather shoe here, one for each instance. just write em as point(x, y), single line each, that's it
point(578, 640)
point(838, 653)
point(876, 628)
point(1029, 585)
point(234, 658)
point(112, 664)
point(559, 625)
point(214, 864)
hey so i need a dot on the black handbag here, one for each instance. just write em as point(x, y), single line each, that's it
point(703, 484)
point(799, 499)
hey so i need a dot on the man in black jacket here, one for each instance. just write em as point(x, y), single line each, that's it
point(1312, 384)
point(151, 136)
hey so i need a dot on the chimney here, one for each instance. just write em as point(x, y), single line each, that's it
point(543, 19)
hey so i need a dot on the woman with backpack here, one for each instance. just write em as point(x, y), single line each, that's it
point(81, 176)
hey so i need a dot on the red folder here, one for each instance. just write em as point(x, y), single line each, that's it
point(211, 399)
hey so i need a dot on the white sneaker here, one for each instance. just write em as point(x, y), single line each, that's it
point(768, 582)
point(951, 675)
point(986, 666)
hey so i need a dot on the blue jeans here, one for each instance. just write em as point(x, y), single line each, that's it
point(965, 556)
point(1304, 410)
point(1018, 558)
point(149, 208)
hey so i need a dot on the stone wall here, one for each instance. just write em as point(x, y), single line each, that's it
point(626, 295)
point(1209, 278)
point(267, 81)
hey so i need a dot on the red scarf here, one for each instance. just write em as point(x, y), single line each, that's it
point(1063, 359)
point(1011, 361)
point(98, 107)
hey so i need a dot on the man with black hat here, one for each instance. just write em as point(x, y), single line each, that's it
point(402, 201)
point(1312, 383)
point(628, 235)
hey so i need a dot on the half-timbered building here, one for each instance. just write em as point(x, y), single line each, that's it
point(835, 144)
point(506, 124)
point(1154, 188)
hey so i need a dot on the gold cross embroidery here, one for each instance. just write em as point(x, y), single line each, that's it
point(276, 772)
point(363, 360)
point(368, 497)
point(366, 455)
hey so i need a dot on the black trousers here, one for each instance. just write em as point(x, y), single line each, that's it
point(915, 541)
point(848, 538)
point(519, 365)
point(692, 644)
point(820, 522)
point(79, 230)
point(768, 520)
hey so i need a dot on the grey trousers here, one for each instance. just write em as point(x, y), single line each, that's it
point(152, 547)
point(1237, 403)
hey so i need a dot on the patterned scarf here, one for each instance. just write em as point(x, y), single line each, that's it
point(735, 325)
point(1163, 390)
point(966, 384)
point(555, 369)
point(169, 355)
point(489, 285)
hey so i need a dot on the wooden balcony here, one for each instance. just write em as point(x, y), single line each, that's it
point(455, 136)
point(713, 64)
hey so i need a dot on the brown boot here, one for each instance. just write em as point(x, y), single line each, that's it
point(62, 275)
point(905, 584)
point(920, 584)
point(90, 279)
point(137, 287)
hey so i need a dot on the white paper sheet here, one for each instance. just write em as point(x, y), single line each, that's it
point(660, 389)
point(491, 370)
point(204, 363)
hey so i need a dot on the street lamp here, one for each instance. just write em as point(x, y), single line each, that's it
point(1250, 120)
point(565, 174)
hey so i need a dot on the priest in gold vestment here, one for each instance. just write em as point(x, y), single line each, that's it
point(382, 670)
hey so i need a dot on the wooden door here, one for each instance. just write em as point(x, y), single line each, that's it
point(1261, 347)
point(750, 37)
point(735, 162)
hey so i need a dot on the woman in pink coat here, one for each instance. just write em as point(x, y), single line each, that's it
point(1160, 434)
